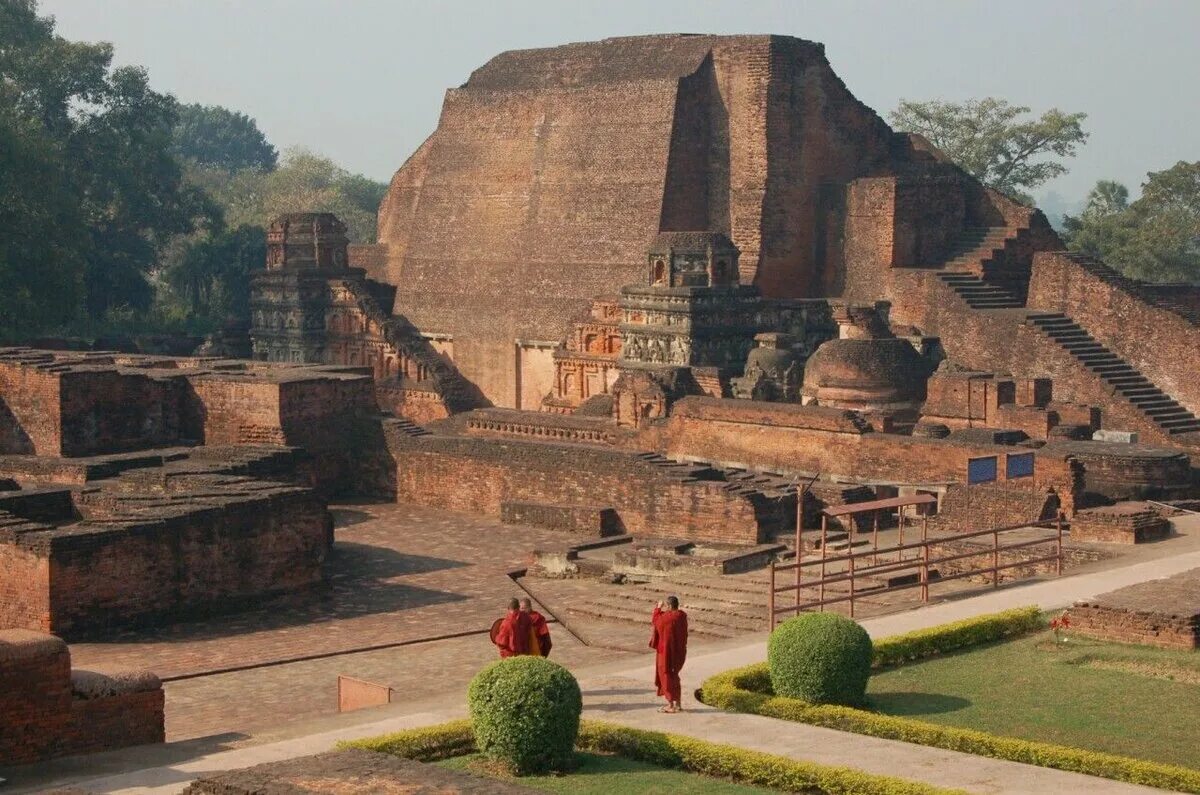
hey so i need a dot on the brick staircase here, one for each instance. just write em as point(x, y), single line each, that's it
point(1156, 405)
point(454, 390)
point(977, 293)
point(1000, 277)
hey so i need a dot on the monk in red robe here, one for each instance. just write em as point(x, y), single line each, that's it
point(539, 631)
point(669, 641)
point(511, 633)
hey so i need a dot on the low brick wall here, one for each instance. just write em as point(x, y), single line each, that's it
point(50, 711)
point(1131, 626)
point(1130, 523)
point(1163, 612)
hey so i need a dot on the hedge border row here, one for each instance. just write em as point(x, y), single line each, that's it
point(915, 645)
point(749, 690)
point(664, 750)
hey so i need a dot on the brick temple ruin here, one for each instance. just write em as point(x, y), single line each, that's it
point(659, 288)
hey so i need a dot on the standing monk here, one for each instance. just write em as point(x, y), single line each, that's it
point(511, 633)
point(669, 641)
point(539, 632)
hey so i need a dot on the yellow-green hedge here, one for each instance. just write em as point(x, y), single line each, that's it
point(943, 638)
point(749, 690)
point(664, 750)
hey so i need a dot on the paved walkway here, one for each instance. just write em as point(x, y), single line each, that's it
point(623, 696)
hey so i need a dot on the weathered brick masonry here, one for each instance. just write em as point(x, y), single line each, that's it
point(482, 475)
point(51, 711)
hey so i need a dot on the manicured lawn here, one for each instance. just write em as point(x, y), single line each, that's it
point(601, 775)
point(1128, 700)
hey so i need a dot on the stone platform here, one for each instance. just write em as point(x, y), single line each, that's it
point(1163, 613)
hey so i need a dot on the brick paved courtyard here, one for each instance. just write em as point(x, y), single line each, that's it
point(399, 575)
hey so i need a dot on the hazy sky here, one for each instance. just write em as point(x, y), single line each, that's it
point(362, 80)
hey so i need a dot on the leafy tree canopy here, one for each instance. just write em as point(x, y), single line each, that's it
point(303, 182)
point(1156, 238)
point(210, 135)
point(995, 142)
point(89, 190)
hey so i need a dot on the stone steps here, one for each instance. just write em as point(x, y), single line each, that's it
point(1154, 404)
point(978, 294)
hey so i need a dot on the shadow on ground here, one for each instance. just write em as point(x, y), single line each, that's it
point(917, 703)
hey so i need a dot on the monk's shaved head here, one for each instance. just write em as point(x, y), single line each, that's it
point(513, 604)
point(526, 603)
point(673, 602)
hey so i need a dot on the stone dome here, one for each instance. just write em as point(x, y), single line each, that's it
point(866, 374)
point(773, 362)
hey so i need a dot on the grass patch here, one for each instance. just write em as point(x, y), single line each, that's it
point(1107, 697)
point(602, 774)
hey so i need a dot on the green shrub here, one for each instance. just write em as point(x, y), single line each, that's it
point(823, 658)
point(665, 750)
point(957, 635)
point(525, 712)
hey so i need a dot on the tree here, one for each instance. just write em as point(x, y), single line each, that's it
point(212, 136)
point(1156, 238)
point(989, 139)
point(210, 275)
point(303, 182)
point(89, 191)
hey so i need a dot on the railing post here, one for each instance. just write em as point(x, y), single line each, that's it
point(995, 558)
point(875, 538)
point(851, 562)
point(925, 571)
point(1058, 553)
point(824, 553)
point(771, 599)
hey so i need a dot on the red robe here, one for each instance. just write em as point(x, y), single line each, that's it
point(513, 636)
point(539, 634)
point(669, 641)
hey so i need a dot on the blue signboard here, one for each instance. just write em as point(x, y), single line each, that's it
point(1018, 465)
point(981, 470)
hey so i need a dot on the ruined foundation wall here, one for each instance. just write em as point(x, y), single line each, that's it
point(478, 475)
point(144, 571)
point(50, 711)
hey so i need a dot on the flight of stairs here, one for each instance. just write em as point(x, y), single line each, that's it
point(976, 246)
point(977, 293)
point(1151, 401)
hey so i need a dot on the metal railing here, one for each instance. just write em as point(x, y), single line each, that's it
point(912, 557)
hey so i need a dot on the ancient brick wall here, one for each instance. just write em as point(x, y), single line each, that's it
point(29, 416)
point(1145, 627)
point(482, 475)
point(49, 711)
point(806, 439)
point(24, 583)
point(1154, 339)
point(238, 412)
point(124, 570)
point(110, 411)
point(35, 695)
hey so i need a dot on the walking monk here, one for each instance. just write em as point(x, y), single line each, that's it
point(669, 641)
point(511, 633)
point(539, 632)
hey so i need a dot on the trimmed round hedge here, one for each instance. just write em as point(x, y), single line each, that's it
point(525, 712)
point(822, 658)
